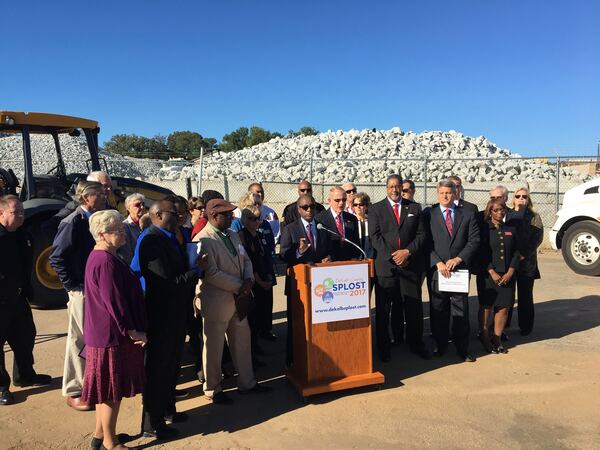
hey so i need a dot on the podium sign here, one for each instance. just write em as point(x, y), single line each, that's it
point(340, 294)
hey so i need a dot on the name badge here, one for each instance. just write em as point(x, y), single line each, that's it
point(508, 233)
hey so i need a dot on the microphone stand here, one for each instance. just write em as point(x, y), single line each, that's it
point(320, 226)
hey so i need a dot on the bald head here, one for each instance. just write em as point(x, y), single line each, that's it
point(304, 187)
point(164, 215)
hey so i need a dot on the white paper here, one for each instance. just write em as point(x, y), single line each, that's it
point(458, 282)
point(340, 293)
point(193, 250)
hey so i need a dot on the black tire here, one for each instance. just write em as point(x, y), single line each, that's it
point(47, 291)
point(581, 248)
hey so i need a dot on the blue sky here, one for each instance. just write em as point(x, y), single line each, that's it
point(522, 73)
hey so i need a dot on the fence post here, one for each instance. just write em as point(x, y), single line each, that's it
point(557, 197)
point(425, 176)
point(199, 184)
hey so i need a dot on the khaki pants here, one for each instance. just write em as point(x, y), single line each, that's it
point(74, 364)
point(238, 339)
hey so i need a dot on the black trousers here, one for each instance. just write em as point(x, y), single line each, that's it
point(17, 328)
point(194, 331)
point(525, 302)
point(257, 315)
point(163, 361)
point(400, 298)
point(446, 306)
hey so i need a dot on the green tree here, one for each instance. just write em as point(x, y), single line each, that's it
point(138, 146)
point(304, 131)
point(244, 137)
point(187, 144)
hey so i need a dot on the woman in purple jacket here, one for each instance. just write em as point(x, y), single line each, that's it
point(115, 320)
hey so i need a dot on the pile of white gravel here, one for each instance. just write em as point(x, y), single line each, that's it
point(361, 156)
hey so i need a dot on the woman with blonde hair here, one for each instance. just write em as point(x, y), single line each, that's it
point(531, 237)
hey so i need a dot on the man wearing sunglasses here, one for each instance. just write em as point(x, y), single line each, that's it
point(302, 243)
point(290, 212)
point(350, 189)
point(459, 200)
point(345, 224)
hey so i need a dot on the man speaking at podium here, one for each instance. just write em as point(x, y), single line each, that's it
point(302, 243)
point(398, 236)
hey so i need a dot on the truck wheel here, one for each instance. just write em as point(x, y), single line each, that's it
point(581, 248)
point(47, 290)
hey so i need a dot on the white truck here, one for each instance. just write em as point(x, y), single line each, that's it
point(576, 230)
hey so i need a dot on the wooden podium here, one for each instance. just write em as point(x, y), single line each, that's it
point(330, 356)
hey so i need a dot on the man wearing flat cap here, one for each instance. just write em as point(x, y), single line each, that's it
point(229, 275)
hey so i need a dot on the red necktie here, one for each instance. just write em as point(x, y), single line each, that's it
point(397, 215)
point(449, 221)
point(338, 224)
point(309, 233)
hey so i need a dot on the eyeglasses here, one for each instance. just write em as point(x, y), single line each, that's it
point(406, 191)
point(351, 191)
point(307, 207)
point(359, 204)
point(115, 232)
point(338, 200)
point(496, 197)
point(305, 190)
point(519, 196)
point(139, 205)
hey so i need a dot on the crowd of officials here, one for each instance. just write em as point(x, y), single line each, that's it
point(204, 268)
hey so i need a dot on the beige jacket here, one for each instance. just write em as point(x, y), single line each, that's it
point(224, 275)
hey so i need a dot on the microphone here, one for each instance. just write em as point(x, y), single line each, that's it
point(320, 226)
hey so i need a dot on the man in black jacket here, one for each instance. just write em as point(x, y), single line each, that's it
point(454, 235)
point(343, 223)
point(170, 287)
point(301, 243)
point(290, 212)
point(398, 237)
point(16, 322)
point(72, 245)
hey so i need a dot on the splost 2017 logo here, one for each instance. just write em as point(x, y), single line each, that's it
point(329, 287)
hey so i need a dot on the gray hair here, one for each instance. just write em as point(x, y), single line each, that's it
point(103, 221)
point(96, 175)
point(133, 197)
point(447, 183)
point(504, 190)
point(85, 188)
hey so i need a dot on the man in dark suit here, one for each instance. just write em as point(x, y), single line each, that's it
point(302, 243)
point(398, 237)
point(454, 235)
point(169, 288)
point(290, 212)
point(459, 200)
point(342, 222)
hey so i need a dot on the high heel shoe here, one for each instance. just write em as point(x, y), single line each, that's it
point(497, 343)
point(485, 342)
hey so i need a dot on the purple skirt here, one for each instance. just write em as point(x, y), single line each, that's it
point(113, 373)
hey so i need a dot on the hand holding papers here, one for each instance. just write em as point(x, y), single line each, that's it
point(457, 282)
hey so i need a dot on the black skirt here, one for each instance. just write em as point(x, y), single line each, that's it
point(490, 294)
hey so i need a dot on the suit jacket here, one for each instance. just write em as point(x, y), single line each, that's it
point(499, 247)
point(463, 243)
point(340, 250)
point(132, 233)
point(385, 231)
point(468, 206)
point(169, 283)
point(224, 276)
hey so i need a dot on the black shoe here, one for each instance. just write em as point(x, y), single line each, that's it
point(181, 394)
point(485, 342)
point(385, 356)
point(96, 443)
point(497, 343)
point(257, 389)
point(525, 332)
point(440, 351)
point(467, 358)
point(162, 433)
point(39, 379)
point(504, 337)
point(257, 363)
point(422, 351)
point(221, 398)
point(269, 336)
point(6, 397)
point(177, 417)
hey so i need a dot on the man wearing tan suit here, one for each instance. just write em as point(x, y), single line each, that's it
point(229, 273)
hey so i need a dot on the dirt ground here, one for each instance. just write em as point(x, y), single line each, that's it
point(545, 393)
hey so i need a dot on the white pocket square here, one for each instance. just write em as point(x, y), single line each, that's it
point(410, 215)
